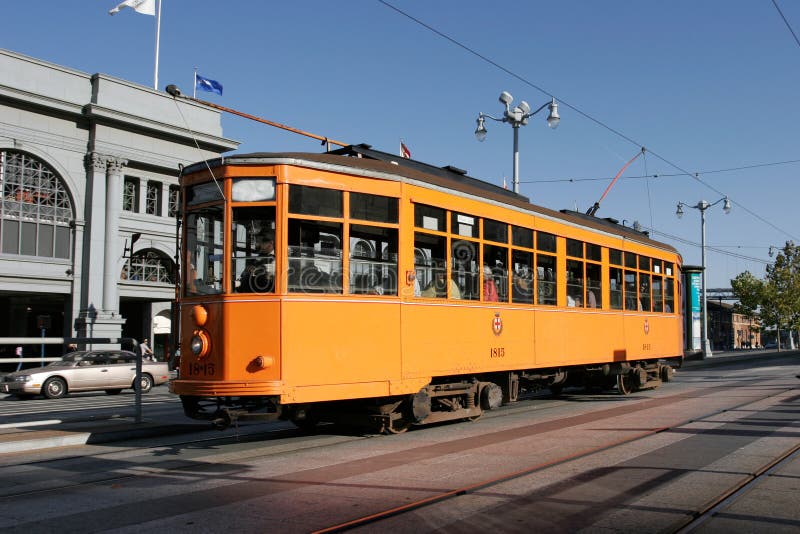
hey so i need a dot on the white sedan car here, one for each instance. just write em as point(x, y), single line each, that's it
point(96, 370)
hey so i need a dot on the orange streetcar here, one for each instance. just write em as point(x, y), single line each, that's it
point(359, 286)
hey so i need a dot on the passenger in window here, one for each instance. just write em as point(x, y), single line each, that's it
point(437, 288)
point(489, 287)
point(259, 276)
point(591, 299)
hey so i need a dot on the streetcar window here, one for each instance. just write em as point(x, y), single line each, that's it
point(593, 252)
point(546, 279)
point(631, 291)
point(429, 218)
point(495, 231)
point(644, 292)
point(315, 201)
point(464, 225)
point(315, 256)
point(575, 283)
point(644, 263)
point(615, 256)
point(630, 260)
point(668, 269)
point(594, 293)
point(496, 259)
point(430, 263)
point(204, 252)
point(202, 193)
point(373, 260)
point(253, 249)
point(253, 189)
point(669, 295)
point(373, 208)
point(521, 237)
point(658, 296)
point(657, 266)
point(464, 261)
point(615, 286)
point(574, 248)
point(522, 277)
point(545, 242)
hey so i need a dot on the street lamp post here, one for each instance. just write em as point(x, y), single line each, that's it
point(516, 117)
point(703, 206)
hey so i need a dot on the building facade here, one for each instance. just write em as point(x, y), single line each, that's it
point(88, 201)
point(728, 330)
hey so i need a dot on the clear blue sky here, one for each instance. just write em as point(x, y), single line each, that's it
point(707, 85)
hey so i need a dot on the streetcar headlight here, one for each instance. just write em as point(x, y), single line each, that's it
point(200, 344)
point(197, 345)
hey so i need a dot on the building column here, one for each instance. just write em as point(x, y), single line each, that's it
point(142, 207)
point(112, 252)
point(164, 199)
point(98, 316)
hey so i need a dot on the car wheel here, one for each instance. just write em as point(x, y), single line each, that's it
point(113, 391)
point(146, 383)
point(54, 388)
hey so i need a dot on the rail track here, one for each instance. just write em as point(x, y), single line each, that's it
point(199, 459)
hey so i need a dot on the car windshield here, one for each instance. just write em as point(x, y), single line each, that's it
point(68, 360)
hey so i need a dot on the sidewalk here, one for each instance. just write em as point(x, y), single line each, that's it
point(56, 433)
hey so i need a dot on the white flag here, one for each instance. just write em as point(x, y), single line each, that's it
point(145, 7)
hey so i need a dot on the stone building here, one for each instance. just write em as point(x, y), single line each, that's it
point(88, 198)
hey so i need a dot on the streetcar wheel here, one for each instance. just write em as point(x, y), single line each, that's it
point(146, 383)
point(113, 391)
point(54, 388)
point(666, 373)
point(625, 384)
point(398, 426)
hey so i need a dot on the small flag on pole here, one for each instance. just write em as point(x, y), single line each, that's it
point(145, 7)
point(207, 84)
point(404, 151)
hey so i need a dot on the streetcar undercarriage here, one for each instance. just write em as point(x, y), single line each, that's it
point(445, 399)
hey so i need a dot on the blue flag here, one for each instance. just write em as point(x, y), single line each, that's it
point(206, 84)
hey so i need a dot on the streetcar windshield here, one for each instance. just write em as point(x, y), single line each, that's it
point(204, 269)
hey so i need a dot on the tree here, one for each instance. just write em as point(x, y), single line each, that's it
point(776, 298)
point(782, 300)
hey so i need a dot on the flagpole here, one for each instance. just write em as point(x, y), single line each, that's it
point(194, 84)
point(158, 39)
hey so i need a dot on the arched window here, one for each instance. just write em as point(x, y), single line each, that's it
point(148, 266)
point(35, 209)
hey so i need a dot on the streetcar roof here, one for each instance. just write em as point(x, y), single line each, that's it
point(362, 160)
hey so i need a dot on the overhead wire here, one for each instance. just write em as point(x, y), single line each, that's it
point(796, 40)
point(695, 176)
point(664, 175)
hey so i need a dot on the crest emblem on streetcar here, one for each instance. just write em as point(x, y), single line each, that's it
point(497, 324)
point(646, 326)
